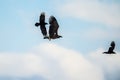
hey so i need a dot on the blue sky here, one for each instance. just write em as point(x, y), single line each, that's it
point(18, 32)
point(86, 26)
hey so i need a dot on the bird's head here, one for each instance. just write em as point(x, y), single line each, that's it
point(37, 24)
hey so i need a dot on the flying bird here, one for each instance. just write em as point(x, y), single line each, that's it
point(111, 48)
point(42, 24)
point(53, 28)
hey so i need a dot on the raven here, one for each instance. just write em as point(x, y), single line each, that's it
point(42, 24)
point(53, 28)
point(111, 48)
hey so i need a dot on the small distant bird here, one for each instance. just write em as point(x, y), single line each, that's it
point(111, 48)
point(42, 24)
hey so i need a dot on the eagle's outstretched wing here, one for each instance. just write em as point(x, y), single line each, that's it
point(53, 29)
point(113, 44)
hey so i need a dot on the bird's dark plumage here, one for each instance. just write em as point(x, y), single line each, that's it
point(53, 28)
point(42, 24)
point(111, 48)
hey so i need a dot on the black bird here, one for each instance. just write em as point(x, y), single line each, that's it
point(53, 28)
point(111, 48)
point(42, 24)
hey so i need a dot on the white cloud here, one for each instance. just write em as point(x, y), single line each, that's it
point(109, 63)
point(93, 11)
point(54, 62)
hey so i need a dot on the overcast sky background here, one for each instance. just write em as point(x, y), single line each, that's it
point(87, 27)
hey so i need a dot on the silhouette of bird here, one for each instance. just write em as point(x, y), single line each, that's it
point(53, 28)
point(111, 48)
point(42, 24)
